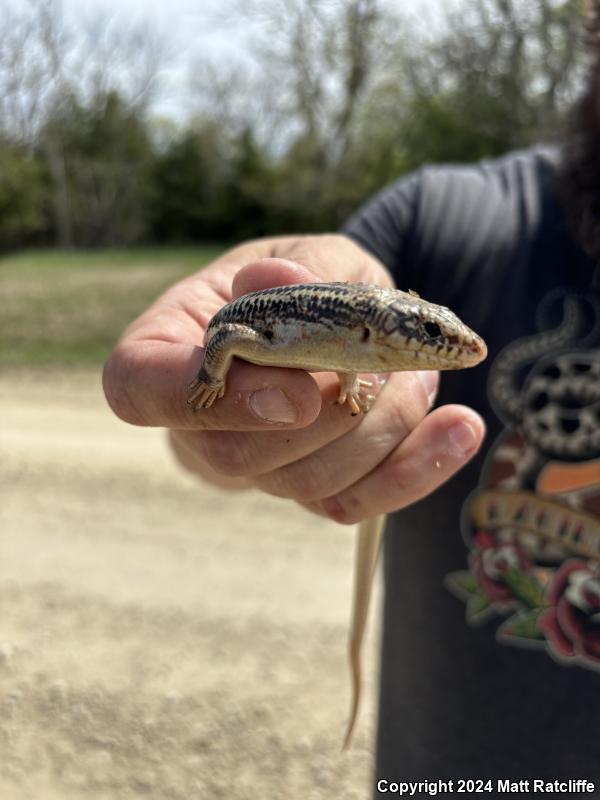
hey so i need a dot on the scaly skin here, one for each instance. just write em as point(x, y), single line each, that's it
point(344, 328)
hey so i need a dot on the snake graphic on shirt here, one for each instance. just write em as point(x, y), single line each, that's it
point(533, 525)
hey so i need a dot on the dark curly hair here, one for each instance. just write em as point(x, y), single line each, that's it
point(579, 182)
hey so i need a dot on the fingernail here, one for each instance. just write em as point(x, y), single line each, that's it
point(272, 405)
point(430, 380)
point(461, 440)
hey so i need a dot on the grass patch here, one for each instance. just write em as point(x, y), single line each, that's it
point(68, 308)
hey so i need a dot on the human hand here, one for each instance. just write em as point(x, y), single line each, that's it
point(280, 429)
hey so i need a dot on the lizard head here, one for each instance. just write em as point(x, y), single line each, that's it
point(426, 335)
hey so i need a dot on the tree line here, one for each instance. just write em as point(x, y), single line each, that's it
point(334, 101)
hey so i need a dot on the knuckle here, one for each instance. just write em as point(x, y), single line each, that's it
point(348, 512)
point(407, 479)
point(400, 481)
point(226, 453)
point(115, 386)
point(305, 481)
point(185, 451)
point(407, 409)
point(314, 508)
point(330, 240)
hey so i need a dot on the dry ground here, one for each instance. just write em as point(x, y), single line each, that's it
point(160, 638)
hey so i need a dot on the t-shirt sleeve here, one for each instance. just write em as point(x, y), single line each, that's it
point(443, 228)
point(385, 224)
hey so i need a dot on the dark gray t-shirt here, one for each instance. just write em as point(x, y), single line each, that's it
point(491, 633)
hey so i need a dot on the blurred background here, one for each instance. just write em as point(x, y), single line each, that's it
point(158, 638)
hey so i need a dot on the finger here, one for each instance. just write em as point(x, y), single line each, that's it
point(248, 453)
point(400, 407)
point(268, 272)
point(334, 257)
point(146, 383)
point(437, 448)
point(188, 457)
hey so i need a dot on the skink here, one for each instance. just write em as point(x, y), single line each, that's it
point(348, 329)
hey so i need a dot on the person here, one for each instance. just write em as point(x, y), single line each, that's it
point(491, 651)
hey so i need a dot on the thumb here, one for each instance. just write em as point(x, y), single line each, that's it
point(268, 272)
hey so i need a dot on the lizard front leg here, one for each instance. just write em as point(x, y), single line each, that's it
point(228, 341)
point(351, 392)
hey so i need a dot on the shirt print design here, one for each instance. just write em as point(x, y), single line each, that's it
point(533, 525)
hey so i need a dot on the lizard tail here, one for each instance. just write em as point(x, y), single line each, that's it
point(367, 550)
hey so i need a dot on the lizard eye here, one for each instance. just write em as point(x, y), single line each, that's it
point(432, 329)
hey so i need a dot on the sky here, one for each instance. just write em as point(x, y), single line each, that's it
point(191, 30)
point(190, 25)
point(195, 26)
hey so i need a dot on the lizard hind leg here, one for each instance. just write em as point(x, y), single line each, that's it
point(352, 392)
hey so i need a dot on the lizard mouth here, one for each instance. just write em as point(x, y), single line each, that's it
point(457, 356)
point(451, 353)
point(476, 350)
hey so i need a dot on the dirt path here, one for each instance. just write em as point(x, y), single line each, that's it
point(159, 638)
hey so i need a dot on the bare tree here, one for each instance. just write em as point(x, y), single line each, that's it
point(114, 56)
point(32, 46)
point(525, 55)
point(312, 65)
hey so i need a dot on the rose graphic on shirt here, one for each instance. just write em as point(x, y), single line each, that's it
point(572, 620)
point(493, 563)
